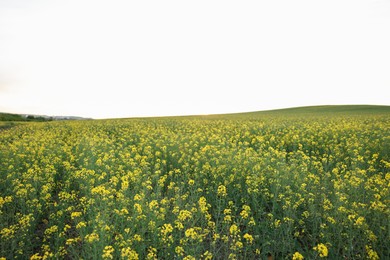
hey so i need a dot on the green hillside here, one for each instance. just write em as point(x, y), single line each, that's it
point(8, 120)
point(339, 109)
point(11, 117)
point(19, 118)
point(342, 110)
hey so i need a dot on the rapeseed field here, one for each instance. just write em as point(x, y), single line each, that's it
point(277, 186)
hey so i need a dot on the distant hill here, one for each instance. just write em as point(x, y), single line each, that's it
point(334, 109)
point(304, 111)
point(10, 117)
point(35, 118)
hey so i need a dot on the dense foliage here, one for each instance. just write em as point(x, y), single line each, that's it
point(197, 188)
point(11, 117)
point(15, 117)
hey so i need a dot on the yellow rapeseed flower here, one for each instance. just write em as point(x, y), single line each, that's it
point(191, 233)
point(248, 238)
point(128, 253)
point(297, 256)
point(166, 229)
point(222, 191)
point(179, 250)
point(207, 255)
point(107, 252)
point(90, 238)
point(322, 250)
point(372, 255)
point(233, 230)
point(75, 214)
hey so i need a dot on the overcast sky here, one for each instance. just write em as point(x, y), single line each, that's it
point(142, 58)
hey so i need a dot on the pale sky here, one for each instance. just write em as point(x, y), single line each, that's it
point(118, 58)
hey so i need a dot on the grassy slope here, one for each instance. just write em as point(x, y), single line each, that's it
point(11, 117)
point(334, 109)
point(9, 120)
point(311, 111)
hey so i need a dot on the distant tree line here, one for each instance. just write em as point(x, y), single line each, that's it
point(14, 117)
point(38, 118)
